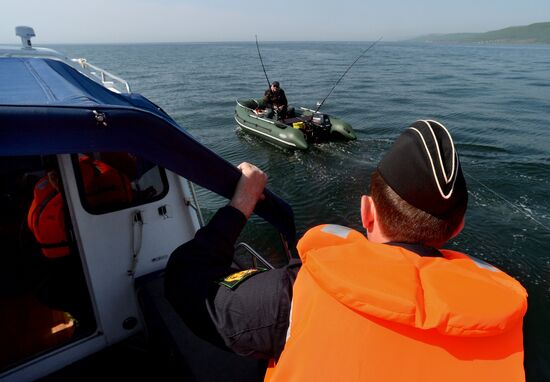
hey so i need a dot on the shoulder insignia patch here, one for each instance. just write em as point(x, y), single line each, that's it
point(234, 279)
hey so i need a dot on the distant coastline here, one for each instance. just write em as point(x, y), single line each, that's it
point(538, 33)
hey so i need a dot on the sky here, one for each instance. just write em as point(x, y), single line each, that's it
point(121, 21)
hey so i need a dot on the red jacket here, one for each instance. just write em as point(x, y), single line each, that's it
point(104, 187)
point(46, 220)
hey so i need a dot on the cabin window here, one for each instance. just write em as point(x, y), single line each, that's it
point(112, 181)
point(44, 299)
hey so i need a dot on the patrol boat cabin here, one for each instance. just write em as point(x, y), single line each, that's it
point(97, 188)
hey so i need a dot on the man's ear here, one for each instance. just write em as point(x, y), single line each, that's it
point(368, 212)
point(458, 228)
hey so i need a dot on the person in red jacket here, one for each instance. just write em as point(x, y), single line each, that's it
point(64, 287)
point(104, 187)
point(389, 306)
point(46, 216)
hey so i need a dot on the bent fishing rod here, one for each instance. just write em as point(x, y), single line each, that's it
point(342, 76)
point(262, 61)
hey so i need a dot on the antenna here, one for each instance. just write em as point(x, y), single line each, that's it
point(25, 33)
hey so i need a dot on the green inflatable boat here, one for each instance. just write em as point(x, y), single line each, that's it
point(302, 127)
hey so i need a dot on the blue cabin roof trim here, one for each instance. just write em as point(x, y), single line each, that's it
point(48, 107)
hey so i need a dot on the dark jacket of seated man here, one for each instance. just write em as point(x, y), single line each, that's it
point(216, 312)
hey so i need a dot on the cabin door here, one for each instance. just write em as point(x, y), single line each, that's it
point(44, 298)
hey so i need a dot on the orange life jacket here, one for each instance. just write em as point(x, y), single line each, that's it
point(363, 311)
point(46, 220)
point(104, 187)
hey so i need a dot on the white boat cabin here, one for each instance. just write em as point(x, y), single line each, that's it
point(120, 171)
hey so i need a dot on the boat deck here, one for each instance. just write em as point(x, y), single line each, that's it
point(132, 359)
point(169, 351)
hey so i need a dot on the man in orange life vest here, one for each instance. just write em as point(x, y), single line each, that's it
point(64, 286)
point(103, 187)
point(391, 306)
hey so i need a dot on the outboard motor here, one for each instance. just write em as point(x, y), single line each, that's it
point(321, 120)
point(318, 128)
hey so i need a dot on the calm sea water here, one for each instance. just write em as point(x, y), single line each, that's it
point(495, 100)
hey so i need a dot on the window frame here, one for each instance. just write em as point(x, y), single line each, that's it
point(102, 211)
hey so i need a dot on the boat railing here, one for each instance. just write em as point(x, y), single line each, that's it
point(256, 257)
point(108, 79)
point(194, 204)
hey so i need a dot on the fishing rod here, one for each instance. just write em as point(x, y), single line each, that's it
point(347, 70)
point(262, 61)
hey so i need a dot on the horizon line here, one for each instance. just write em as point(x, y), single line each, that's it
point(195, 42)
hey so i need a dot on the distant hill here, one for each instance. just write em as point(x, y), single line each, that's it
point(538, 33)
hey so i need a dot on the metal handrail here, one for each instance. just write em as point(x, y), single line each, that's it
point(195, 203)
point(256, 255)
point(286, 250)
point(101, 74)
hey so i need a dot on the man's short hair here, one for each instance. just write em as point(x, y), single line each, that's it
point(403, 223)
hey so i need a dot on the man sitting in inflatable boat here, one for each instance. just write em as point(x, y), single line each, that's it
point(275, 102)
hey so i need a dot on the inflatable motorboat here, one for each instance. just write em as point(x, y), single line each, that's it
point(301, 128)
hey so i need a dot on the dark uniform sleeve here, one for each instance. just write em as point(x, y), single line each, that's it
point(252, 318)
